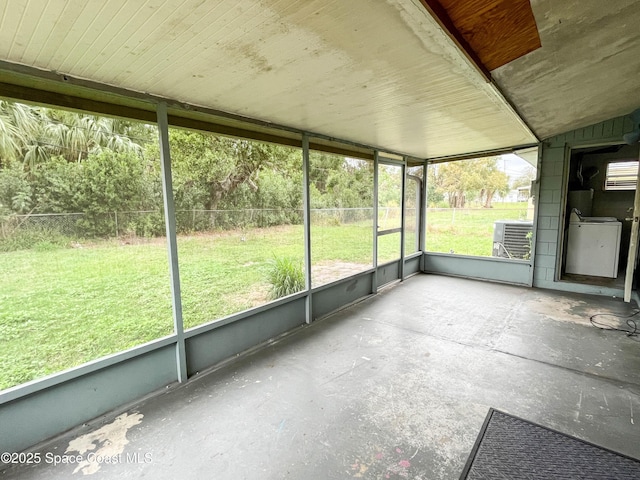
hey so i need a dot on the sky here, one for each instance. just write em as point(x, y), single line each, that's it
point(514, 166)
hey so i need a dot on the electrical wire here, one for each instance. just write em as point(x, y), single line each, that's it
point(631, 323)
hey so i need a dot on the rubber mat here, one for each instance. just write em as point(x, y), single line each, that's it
point(509, 447)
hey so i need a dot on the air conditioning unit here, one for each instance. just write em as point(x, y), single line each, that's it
point(510, 239)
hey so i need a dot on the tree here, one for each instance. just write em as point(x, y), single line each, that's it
point(104, 183)
point(74, 136)
point(455, 181)
point(490, 179)
point(276, 192)
point(467, 179)
point(435, 191)
point(18, 125)
point(208, 168)
point(340, 182)
point(525, 179)
point(15, 190)
point(33, 135)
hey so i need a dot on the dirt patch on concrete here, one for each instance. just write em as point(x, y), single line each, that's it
point(107, 443)
point(566, 309)
point(557, 309)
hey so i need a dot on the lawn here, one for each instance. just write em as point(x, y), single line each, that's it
point(468, 231)
point(61, 307)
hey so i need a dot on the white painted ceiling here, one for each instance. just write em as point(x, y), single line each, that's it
point(371, 71)
point(376, 72)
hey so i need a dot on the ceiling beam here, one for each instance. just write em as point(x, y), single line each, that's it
point(441, 16)
point(68, 94)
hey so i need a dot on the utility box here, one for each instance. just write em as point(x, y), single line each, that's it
point(512, 239)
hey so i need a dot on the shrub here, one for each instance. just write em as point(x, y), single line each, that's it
point(36, 238)
point(15, 190)
point(286, 276)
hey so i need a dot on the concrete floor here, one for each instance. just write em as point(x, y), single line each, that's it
point(396, 386)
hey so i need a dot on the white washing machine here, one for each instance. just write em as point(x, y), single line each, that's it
point(593, 246)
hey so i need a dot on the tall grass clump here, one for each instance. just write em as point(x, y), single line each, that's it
point(39, 239)
point(286, 276)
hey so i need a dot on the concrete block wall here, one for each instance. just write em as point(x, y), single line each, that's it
point(556, 152)
point(549, 214)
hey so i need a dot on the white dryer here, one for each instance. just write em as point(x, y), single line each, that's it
point(593, 245)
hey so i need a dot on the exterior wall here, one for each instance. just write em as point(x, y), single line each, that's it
point(552, 192)
point(83, 395)
point(501, 270)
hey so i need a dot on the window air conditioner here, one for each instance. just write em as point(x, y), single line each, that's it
point(510, 239)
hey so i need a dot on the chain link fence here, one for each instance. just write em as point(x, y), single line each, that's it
point(209, 220)
point(339, 216)
point(66, 224)
point(84, 225)
point(24, 231)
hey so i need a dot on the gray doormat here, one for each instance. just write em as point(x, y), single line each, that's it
point(511, 448)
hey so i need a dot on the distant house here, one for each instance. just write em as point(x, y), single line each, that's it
point(520, 194)
point(523, 193)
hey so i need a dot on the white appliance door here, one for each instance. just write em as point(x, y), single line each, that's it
point(593, 249)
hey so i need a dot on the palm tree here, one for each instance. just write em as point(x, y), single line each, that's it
point(74, 136)
point(32, 135)
point(18, 125)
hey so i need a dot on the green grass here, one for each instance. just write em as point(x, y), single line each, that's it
point(468, 231)
point(286, 277)
point(61, 307)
